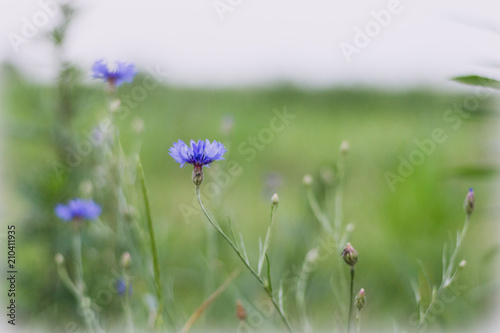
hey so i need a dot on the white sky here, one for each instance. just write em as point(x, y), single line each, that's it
point(265, 41)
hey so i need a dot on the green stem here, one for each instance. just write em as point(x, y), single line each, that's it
point(154, 249)
point(337, 220)
point(320, 216)
point(240, 255)
point(448, 278)
point(351, 297)
point(126, 303)
point(358, 321)
point(79, 290)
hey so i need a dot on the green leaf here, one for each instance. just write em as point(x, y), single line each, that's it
point(476, 80)
point(269, 273)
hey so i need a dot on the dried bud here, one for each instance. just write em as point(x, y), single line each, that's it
point(126, 260)
point(469, 203)
point(241, 313)
point(275, 200)
point(350, 255)
point(198, 175)
point(59, 258)
point(307, 180)
point(360, 299)
point(344, 147)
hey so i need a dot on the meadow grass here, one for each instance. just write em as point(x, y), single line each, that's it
point(393, 229)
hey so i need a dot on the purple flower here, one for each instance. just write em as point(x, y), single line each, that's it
point(121, 287)
point(199, 154)
point(78, 209)
point(115, 77)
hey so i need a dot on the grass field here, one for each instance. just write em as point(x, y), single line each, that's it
point(274, 137)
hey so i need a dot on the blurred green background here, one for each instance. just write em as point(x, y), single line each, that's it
point(393, 229)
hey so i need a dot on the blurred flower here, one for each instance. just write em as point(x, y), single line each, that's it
point(126, 260)
point(469, 203)
point(241, 313)
point(307, 180)
point(360, 299)
point(123, 72)
point(344, 147)
point(78, 209)
point(199, 154)
point(59, 258)
point(350, 255)
point(121, 287)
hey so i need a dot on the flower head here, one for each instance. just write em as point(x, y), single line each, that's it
point(123, 72)
point(78, 209)
point(198, 154)
point(350, 255)
point(121, 286)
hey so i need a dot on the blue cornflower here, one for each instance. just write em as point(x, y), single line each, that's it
point(78, 209)
point(199, 154)
point(115, 77)
point(121, 287)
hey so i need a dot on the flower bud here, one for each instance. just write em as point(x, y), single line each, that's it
point(138, 125)
point(360, 299)
point(469, 203)
point(350, 255)
point(275, 200)
point(344, 147)
point(114, 105)
point(126, 260)
point(462, 264)
point(241, 313)
point(307, 180)
point(59, 258)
